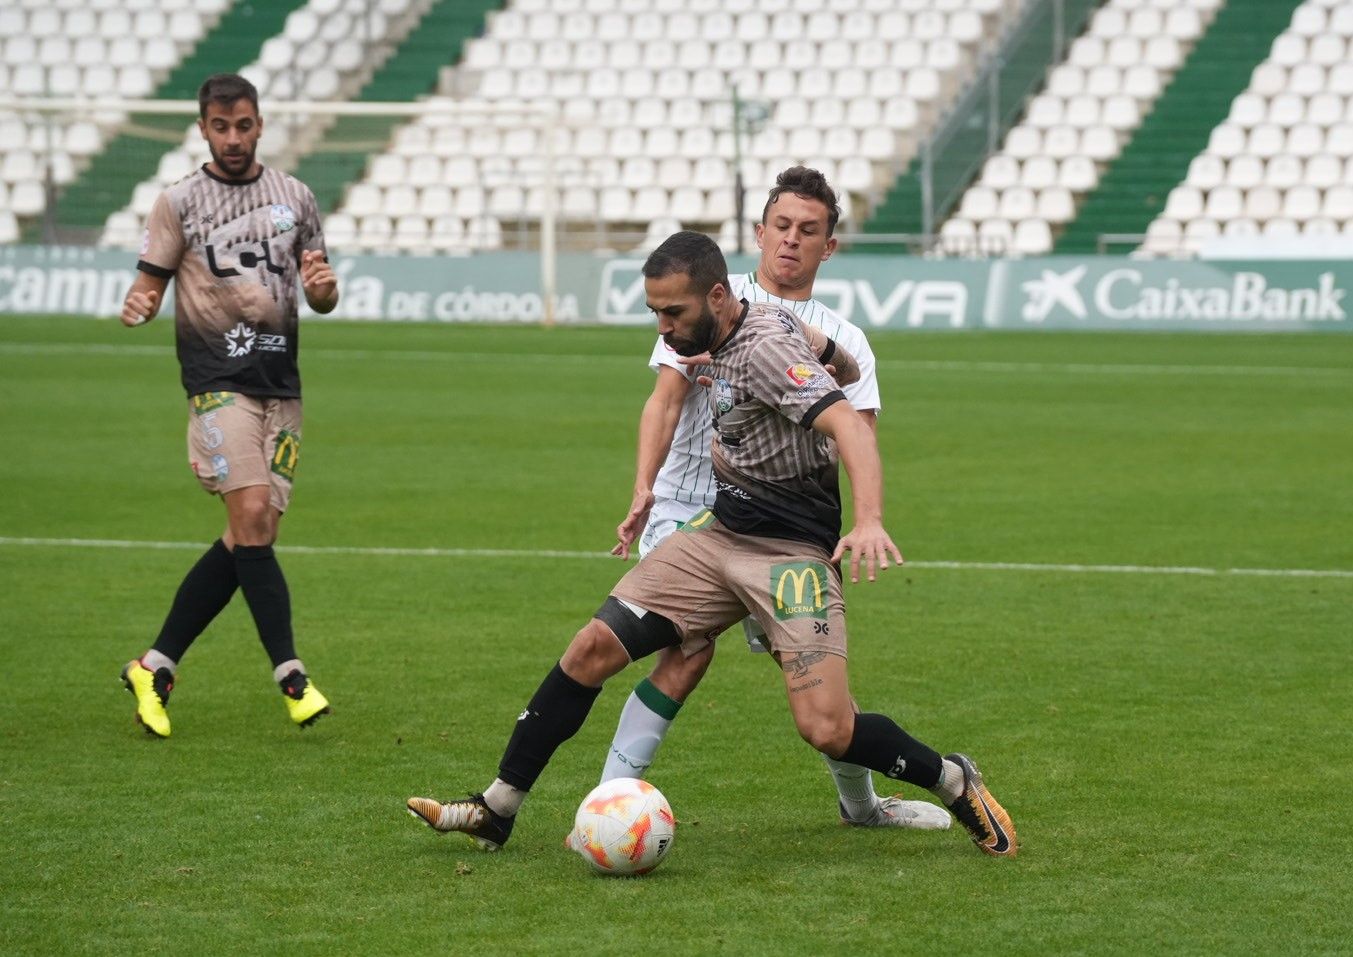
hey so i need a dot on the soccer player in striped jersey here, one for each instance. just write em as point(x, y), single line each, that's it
point(238, 239)
point(674, 480)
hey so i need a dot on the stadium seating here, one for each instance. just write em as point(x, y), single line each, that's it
point(1090, 106)
point(326, 49)
point(1282, 163)
point(80, 50)
point(643, 125)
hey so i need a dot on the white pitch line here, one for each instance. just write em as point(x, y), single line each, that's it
point(923, 365)
point(553, 553)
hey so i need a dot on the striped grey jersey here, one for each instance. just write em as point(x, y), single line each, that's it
point(686, 474)
point(234, 250)
point(774, 475)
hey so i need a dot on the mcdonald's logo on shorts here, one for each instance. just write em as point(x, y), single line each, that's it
point(799, 590)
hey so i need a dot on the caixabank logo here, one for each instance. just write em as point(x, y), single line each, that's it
point(1133, 295)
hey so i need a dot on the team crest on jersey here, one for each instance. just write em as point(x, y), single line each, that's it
point(799, 374)
point(283, 217)
point(723, 395)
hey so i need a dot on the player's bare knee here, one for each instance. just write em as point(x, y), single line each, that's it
point(593, 655)
point(252, 520)
point(829, 734)
point(676, 675)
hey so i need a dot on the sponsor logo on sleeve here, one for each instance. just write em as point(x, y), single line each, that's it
point(799, 374)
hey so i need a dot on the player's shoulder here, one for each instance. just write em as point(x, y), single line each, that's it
point(766, 317)
point(187, 186)
point(835, 325)
point(281, 180)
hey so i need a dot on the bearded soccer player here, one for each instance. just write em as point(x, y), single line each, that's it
point(674, 481)
point(769, 547)
point(236, 237)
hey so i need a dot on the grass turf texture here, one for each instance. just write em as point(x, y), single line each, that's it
point(1173, 748)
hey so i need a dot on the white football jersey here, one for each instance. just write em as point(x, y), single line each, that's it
point(687, 475)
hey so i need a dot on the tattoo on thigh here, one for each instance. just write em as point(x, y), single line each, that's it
point(805, 686)
point(801, 664)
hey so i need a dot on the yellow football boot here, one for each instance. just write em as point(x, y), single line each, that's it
point(304, 702)
point(151, 691)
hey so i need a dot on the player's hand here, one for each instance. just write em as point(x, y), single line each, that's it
point(317, 277)
point(869, 544)
point(703, 359)
point(628, 530)
point(139, 307)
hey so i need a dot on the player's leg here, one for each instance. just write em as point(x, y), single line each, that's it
point(856, 800)
point(645, 613)
point(652, 706)
point(213, 434)
point(650, 710)
point(554, 714)
point(821, 705)
point(253, 513)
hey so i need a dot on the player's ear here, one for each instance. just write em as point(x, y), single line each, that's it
point(759, 230)
point(829, 249)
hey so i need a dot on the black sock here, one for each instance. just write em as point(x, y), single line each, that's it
point(206, 589)
point(556, 712)
point(265, 589)
point(878, 743)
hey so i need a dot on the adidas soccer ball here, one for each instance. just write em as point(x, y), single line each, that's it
point(624, 827)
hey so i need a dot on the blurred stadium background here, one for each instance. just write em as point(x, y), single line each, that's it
point(953, 128)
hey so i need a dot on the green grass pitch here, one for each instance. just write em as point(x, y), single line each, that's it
point(1173, 745)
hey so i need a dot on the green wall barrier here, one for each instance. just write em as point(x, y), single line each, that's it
point(874, 292)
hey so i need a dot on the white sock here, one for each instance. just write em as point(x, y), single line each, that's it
point(855, 785)
point(503, 799)
point(155, 660)
point(644, 721)
point(950, 785)
point(286, 668)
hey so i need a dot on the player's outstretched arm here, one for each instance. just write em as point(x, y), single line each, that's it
point(318, 281)
point(143, 299)
point(867, 541)
point(657, 425)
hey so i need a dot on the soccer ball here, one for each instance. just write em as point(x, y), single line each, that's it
point(624, 827)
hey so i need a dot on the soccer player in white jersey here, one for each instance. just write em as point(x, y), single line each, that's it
point(674, 480)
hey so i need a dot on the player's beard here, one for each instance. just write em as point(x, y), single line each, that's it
point(235, 165)
point(701, 337)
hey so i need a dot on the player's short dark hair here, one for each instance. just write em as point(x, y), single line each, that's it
point(694, 254)
point(225, 89)
point(810, 184)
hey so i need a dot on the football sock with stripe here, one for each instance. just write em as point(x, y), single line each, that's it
point(265, 589)
point(855, 785)
point(644, 721)
point(205, 590)
point(878, 743)
point(556, 712)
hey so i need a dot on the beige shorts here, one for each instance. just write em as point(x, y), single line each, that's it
point(705, 578)
point(235, 441)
